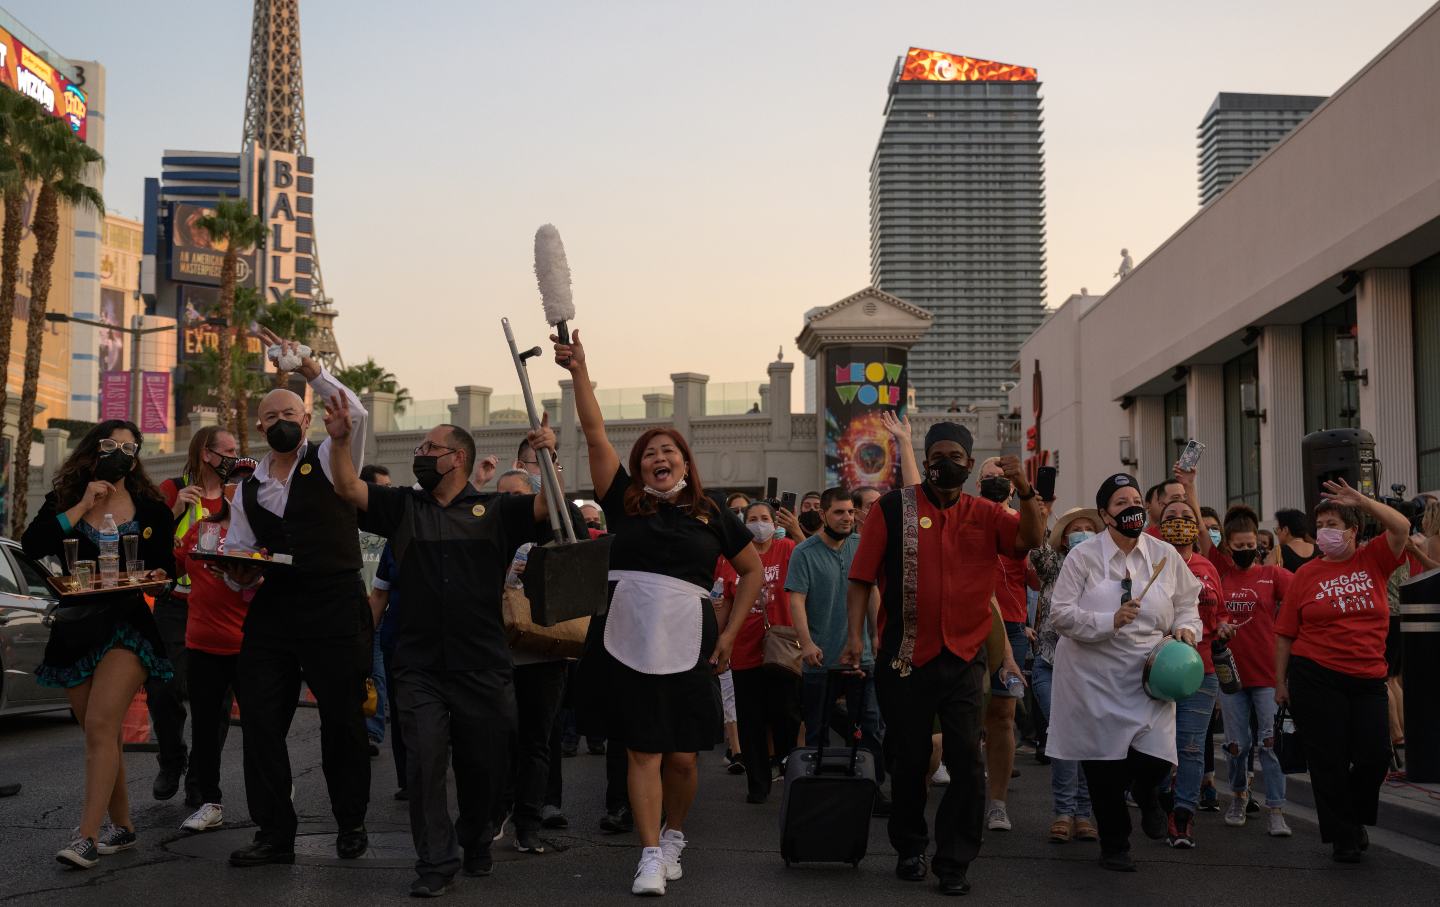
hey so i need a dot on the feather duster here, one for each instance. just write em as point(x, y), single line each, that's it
point(552, 272)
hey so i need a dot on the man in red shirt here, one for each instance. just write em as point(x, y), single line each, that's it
point(931, 550)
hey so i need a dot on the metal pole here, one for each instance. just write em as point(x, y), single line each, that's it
point(549, 478)
point(135, 333)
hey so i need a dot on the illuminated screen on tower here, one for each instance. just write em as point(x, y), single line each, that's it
point(861, 382)
point(934, 66)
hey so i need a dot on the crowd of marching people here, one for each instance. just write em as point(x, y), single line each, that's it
point(970, 625)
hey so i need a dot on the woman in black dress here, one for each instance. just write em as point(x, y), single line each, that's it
point(101, 654)
point(650, 658)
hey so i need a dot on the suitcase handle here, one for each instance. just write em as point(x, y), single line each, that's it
point(852, 713)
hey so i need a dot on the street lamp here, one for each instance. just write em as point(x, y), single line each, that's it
point(135, 332)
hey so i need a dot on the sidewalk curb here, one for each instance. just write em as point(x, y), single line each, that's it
point(1395, 815)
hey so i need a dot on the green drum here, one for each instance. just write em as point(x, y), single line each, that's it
point(1173, 671)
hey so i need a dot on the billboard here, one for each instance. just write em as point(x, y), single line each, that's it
point(861, 382)
point(934, 66)
point(155, 403)
point(286, 185)
point(197, 304)
point(25, 71)
point(114, 395)
point(196, 257)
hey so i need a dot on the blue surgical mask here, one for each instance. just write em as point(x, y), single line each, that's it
point(535, 484)
point(1075, 538)
point(1215, 537)
point(779, 532)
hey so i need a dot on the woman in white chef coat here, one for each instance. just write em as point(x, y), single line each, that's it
point(1100, 713)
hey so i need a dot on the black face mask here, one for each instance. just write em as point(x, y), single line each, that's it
point(811, 521)
point(225, 466)
point(995, 488)
point(283, 436)
point(112, 467)
point(837, 536)
point(426, 472)
point(947, 474)
point(1244, 557)
point(1130, 522)
point(592, 524)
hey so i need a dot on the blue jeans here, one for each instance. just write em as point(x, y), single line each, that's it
point(1192, 718)
point(813, 710)
point(1237, 709)
point(1067, 782)
point(375, 726)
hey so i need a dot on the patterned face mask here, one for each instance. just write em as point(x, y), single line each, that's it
point(1180, 530)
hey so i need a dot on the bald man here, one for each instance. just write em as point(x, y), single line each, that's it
point(309, 619)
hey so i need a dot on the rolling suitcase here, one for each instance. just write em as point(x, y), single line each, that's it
point(829, 794)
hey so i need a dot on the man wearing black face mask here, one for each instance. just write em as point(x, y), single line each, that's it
point(454, 680)
point(931, 549)
point(308, 618)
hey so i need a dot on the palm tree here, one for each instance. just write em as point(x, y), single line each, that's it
point(239, 229)
point(19, 116)
point(288, 318)
point(371, 376)
point(60, 163)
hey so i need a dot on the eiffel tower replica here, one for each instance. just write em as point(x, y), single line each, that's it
point(275, 119)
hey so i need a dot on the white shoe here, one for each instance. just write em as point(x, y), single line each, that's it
point(650, 874)
point(500, 829)
point(672, 844)
point(997, 819)
point(211, 815)
point(1235, 815)
point(941, 776)
point(1277, 826)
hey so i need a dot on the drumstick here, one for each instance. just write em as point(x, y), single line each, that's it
point(1153, 577)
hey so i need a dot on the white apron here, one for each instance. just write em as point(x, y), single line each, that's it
point(1098, 707)
point(655, 622)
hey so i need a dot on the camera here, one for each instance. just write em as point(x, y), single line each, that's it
point(1413, 509)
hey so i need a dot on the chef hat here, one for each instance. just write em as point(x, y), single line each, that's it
point(1110, 486)
point(949, 431)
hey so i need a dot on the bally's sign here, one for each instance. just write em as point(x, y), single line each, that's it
point(286, 186)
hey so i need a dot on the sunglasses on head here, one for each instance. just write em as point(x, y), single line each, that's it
point(110, 445)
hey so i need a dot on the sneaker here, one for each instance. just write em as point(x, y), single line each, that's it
point(552, 817)
point(211, 815)
point(1181, 834)
point(1276, 825)
point(114, 839)
point(429, 886)
point(80, 853)
point(527, 841)
point(1235, 815)
point(734, 764)
point(1252, 806)
point(941, 776)
point(500, 828)
point(478, 861)
point(997, 819)
point(672, 844)
point(650, 874)
point(1209, 799)
point(619, 822)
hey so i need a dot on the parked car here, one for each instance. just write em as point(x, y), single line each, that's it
point(24, 598)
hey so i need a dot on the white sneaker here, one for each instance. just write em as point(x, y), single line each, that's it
point(650, 874)
point(1277, 826)
point(211, 815)
point(997, 819)
point(941, 776)
point(672, 844)
point(1235, 815)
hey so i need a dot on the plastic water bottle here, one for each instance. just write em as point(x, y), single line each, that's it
point(717, 591)
point(109, 560)
point(517, 566)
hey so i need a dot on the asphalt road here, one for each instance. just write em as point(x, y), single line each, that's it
point(732, 859)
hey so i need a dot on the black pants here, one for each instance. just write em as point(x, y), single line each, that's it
point(952, 689)
point(468, 716)
point(1344, 726)
point(555, 784)
point(397, 734)
point(617, 778)
point(1139, 773)
point(268, 687)
point(767, 710)
point(538, 690)
point(166, 699)
point(212, 683)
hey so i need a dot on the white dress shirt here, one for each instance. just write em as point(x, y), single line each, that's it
point(274, 493)
point(1100, 708)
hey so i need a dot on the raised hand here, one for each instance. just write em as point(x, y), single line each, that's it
point(570, 356)
point(1185, 477)
point(485, 470)
point(1340, 492)
point(542, 438)
point(338, 423)
point(898, 427)
point(1015, 471)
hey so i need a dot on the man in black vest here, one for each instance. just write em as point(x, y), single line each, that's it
point(454, 686)
point(308, 619)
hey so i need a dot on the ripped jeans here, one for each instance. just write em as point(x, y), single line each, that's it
point(1237, 709)
point(1192, 717)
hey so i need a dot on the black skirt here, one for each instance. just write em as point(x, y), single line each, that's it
point(82, 634)
point(649, 713)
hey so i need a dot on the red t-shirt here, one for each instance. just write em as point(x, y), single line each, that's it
point(1339, 613)
point(1209, 605)
point(216, 617)
point(955, 571)
point(749, 651)
point(1251, 598)
point(1010, 588)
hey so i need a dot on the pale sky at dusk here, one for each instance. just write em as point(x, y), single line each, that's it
point(706, 162)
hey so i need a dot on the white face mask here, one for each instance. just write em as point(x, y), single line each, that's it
point(666, 495)
point(763, 532)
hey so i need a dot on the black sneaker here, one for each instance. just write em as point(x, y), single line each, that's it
point(352, 844)
point(374, 750)
point(167, 782)
point(528, 841)
point(619, 822)
point(1209, 799)
point(1251, 807)
point(912, 869)
point(80, 853)
point(733, 763)
point(114, 839)
point(478, 861)
point(429, 886)
point(553, 817)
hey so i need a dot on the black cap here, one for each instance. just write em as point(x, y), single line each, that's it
point(1110, 486)
point(949, 431)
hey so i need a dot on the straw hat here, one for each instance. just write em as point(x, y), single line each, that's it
point(1058, 532)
